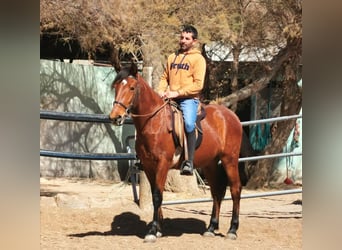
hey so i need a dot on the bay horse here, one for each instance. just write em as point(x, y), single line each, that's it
point(156, 150)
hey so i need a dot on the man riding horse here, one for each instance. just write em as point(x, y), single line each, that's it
point(182, 81)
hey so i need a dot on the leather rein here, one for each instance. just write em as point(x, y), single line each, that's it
point(153, 112)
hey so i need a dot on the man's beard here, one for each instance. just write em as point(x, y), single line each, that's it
point(184, 48)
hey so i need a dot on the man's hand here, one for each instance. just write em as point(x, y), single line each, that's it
point(169, 94)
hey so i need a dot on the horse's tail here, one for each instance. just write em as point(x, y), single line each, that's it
point(222, 176)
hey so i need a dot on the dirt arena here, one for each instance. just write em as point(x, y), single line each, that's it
point(84, 214)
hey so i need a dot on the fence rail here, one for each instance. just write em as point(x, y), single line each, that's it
point(102, 118)
point(245, 196)
point(274, 119)
point(77, 117)
point(87, 156)
point(253, 158)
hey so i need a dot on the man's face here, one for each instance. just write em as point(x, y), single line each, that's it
point(186, 41)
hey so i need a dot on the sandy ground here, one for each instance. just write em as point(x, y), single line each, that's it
point(84, 214)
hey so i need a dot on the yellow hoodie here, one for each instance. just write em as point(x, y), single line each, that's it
point(184, 73)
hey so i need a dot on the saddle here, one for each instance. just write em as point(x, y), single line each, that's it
point(177, 124)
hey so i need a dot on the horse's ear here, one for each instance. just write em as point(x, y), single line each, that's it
point(117, 67)
point(134, 69)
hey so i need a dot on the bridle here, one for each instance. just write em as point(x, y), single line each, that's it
point(128, 109)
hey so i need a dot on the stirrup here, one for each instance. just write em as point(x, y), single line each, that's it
point(186, 168)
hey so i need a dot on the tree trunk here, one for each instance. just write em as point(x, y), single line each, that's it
point(235, 72)
point(114, 57)
point(179, 183)
point(291, 105)
point(145, 194)
point(152, 58)
point(271, 70)
point(260, 176)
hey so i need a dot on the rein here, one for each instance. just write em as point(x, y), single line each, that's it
point(153, 112)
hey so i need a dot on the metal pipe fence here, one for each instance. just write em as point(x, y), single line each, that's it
point(102, 118)
point(87, 156)
point(246, 196)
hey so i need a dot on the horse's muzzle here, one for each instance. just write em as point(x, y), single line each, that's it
point(118, 120)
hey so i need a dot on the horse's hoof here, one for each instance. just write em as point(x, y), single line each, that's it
point(231, 236)
point(150, 238)
point(209, 234)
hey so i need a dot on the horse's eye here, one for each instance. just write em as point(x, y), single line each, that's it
point(131, 88)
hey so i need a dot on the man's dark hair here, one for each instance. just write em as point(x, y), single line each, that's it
point(190, 29)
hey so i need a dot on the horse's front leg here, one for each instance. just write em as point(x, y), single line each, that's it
point(155, 230)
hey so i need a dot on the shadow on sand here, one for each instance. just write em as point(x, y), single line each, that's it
point(129, 223)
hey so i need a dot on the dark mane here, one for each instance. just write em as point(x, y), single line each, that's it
point(123, 73)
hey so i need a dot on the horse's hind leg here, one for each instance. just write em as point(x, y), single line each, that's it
point(231, 167)
point(217, 180)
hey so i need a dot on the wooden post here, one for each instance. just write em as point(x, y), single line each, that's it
point(145, 195)
point(147, 74)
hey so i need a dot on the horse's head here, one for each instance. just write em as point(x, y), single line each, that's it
point(125, 88)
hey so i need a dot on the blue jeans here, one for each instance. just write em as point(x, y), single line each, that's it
point(189, 110)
